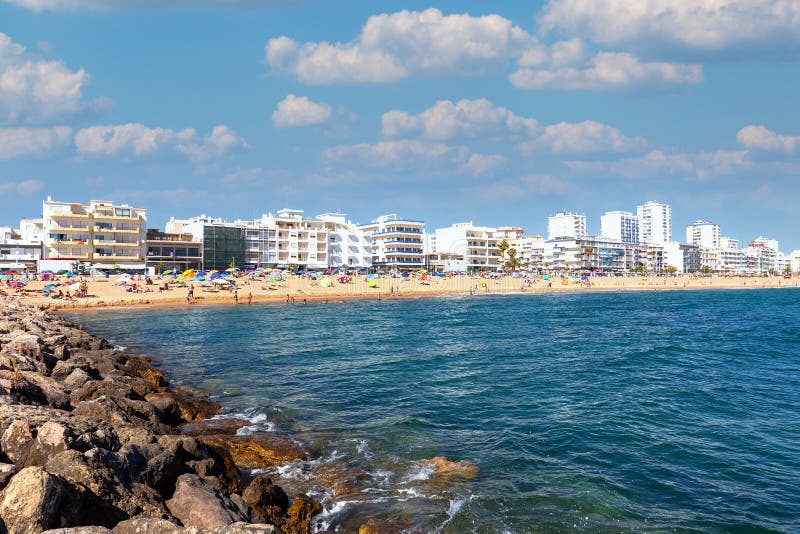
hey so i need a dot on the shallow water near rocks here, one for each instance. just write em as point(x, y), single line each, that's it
point(609, 412)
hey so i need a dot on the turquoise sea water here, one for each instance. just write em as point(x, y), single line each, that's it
point(612, 412)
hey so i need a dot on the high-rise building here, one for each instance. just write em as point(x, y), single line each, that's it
point(704, 234)
point(100, 234)
point(620, 226)
point(565, 224)
point(655, 223)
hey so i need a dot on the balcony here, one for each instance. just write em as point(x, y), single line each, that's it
point(69, 215)
point(60, 227)
point(117, 230)
point(110, 217)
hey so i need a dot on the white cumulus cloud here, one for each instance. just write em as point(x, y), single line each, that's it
point(670, 26)
point(447, 120)
point(762, 138)
point(134, 139)
point(608, 71)
point(36, 90)
point(295, 111)
point(657, 163)
point(583, 137)
point(21, 142)
point(395, 46)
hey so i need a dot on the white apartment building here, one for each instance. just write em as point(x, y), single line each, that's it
point(655, 223)
point(620, 226)
point(530, 251)
point(348, 245)
point(794, 261)
point(477, 245)
point(509, 232)
point(730, 259)
point(396, 242)
point(566, 224)
point(704, 234)
point(21, 248)
point(100, 234)
point(286, 238)
point(761, 256)
point(596, 254)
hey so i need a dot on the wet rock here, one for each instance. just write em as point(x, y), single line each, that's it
point(35, 500)
point(205, 460)
point(267, 498)
point(300, 515)
point(184, 406)
point(227, 426)
point(386, 526)
point(6, 472)
point(143, 367)
point(444, 468)
point(198, 503)
point(257, 451)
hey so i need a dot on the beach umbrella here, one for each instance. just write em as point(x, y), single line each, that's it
point(70, 275)
point(16, 283)
point(168, 271)
point(214, 275)
point(342, 279)
point(75, 287)
point(326, 282)
point(372, 283)
point(49, 287)
point(206, 283)
point(372, 276)
point(199, 278)
point(6, 277)
point(220, 281)
point(405, 275)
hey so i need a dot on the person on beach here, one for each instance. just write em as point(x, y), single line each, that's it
point(236, 296)
point(249, 298)
point(189, 297)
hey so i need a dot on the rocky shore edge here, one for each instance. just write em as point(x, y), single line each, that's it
point(94, 440)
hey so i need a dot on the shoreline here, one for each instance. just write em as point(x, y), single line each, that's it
point(300, 291)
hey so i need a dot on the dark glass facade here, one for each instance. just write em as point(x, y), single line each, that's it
point(222, 247)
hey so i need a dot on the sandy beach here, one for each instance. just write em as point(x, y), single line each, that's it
point(104, 292)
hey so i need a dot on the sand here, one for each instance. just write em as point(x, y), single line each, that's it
point(108, 292)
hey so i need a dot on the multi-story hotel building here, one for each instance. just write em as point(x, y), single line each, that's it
point(620, 226)
point(655, 223)
point(395, 242)
point(477, 244)
point(173, 251)
point(565, 224)
point(704, 234)
point(348, 245)
point(100, 235)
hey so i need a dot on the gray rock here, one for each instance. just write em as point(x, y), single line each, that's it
point(197, 503)
point(35, 500)
point(79, 530)
point(6, 472)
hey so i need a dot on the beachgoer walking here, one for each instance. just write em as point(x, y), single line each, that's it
point(236, 296)
point(249, 298)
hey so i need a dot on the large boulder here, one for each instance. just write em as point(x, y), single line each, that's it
point(198, 503)
point(34, 500)
point(161, 526)
point(6, 472)
point(301, 515)
point(205, 460)
point(183, 406)
point(266, 498)
point(79, 530)
point(122, 411)
point(98, 388)
point(386, 526)
point(256, 451)
point(227, 426)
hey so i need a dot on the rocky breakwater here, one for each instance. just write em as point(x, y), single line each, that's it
point(94, 440)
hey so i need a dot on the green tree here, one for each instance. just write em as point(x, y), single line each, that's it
point(705, 269)
point(513, 262)
point(502, 248)
point(671, 269)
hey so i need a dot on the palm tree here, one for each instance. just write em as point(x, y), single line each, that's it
point(512, 262)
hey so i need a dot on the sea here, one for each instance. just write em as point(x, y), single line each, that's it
point(668, 411)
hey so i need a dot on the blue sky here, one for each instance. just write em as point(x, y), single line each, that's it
point(496, 112)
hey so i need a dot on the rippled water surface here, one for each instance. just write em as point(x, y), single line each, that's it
point(644, 412)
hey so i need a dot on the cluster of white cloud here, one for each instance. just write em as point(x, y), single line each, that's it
point(21, 142)
point(427, 43)
point(395, 46)
point(466, 119)
point(667, 27)
point(447, 120)
point(295, 111)
point(761, 138)
point(133, 139)
point(34, 90)
point(413, 154)
point(657, 163)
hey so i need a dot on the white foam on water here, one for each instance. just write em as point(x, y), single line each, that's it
point(456, 505)
point(424, 472)
point(118, 348)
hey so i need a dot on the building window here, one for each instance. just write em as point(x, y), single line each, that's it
point(122, 212)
